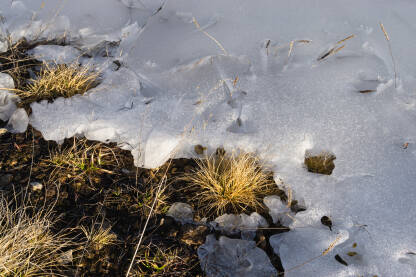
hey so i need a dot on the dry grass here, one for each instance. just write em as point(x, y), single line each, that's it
point(82, 161)
point(391, 53)
point(98, 236)
point(144, 197)
point(230, 183)
point(16, 62)
point(155, 261)
point(59, 80)
point(28, 247)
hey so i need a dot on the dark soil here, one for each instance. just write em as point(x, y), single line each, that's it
point(117, 195)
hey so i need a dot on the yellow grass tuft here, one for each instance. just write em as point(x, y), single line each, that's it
point(28, 247)
point(82, 161)
point(98, 236)
point(155, 261)
point(59, 80)
point(230, 183)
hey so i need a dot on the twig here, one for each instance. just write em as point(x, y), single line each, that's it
point(391, 53)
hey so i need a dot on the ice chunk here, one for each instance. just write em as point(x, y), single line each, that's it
point(159, 148)
point(7, 99)
point(303, 244)
point(181, 212)
point(18, 121)
point(278, 210)
point(232, 224)
point(234, 257)
point(56, 53)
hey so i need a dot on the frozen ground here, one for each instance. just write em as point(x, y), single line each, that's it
point(176, 88)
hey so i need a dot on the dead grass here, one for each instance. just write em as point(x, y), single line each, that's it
point(28, 247)
point(59, 80)
point(98, 236)
point(82, 161)
point(156, 261)
point(16, 62)
point(52, 80)
point(230, 183)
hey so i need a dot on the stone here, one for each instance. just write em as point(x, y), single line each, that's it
point(3, 131)
point(321, 162)
point(181, 212)
point(36, 186)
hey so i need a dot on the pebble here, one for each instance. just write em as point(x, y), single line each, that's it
point(36, 186)
point(3, 131)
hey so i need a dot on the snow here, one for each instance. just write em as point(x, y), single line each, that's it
point(177, 88)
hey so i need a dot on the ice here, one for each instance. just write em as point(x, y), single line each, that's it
point(56, 54)
point(176, 88)
point(182, 212)
point(7, 98)
point(278, 210)
point(247, 225)
point(18, 121)
point(234, 257)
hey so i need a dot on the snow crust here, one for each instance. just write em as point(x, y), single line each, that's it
point(176, 88)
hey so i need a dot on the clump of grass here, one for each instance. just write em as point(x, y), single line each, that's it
point(59, 80)
point(156, 261)
point(144, 197)
point(82, 161)
point(98, 236)
point(16, 62)
point(230, 183)
point(28, 247)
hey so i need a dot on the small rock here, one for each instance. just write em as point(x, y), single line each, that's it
point(322, 162)
point(66, 258)
point(199, 149)
point(3, 131)
point(325, 220)
point(36, 186)
point(181, 212)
